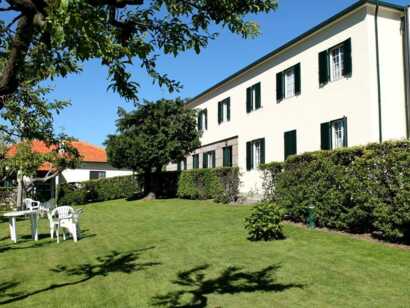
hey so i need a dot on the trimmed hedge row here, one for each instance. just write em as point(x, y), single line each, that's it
point(361, 190)
point(97, 190)
point(220, 184)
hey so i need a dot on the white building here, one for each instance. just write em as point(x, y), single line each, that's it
point(343, 83)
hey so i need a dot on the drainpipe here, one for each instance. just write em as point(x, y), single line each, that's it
point(406, 52)
point(379, 95)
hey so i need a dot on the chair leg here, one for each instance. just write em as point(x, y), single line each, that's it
point(63, 234)
point(58, 234)
point(52, 231)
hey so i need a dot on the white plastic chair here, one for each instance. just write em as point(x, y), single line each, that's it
point(66, 218)
point(30, 204)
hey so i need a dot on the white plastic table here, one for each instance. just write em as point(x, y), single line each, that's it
point(12, 223)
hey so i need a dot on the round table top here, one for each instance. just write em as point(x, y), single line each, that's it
point(19, 213)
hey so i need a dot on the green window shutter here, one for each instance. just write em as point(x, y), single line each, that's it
point(213, 159)
point(279, 86)
point(262, 141)
point(324, 68)
point(326, 136)
point(257, 89)
point(345, 141)
point(298, 81)
point(205, 160)
point(206, 118)
point(220, 111)
point(249, 156)
point(249, 102)
point(179, 166)
point(228, 102)
point(347, 57)
point(290, 143)
point(227, 157)
point(195, 161)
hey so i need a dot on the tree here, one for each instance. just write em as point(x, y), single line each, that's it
point(28, 116)
point(43, 39)
point(152, 136)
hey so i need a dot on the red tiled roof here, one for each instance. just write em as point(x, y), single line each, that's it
point(88, 152)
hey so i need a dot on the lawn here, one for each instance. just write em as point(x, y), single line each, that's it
point(195, 254)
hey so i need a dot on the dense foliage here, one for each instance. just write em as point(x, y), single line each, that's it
point(362, 189)
point(152, 136)
point(43, 39)
point(97, 190)
point(220, 184)
point(265, 223)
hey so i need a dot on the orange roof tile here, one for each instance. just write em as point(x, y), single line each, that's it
point(88, 152)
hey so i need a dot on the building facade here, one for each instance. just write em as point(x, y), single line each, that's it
point(342, 83)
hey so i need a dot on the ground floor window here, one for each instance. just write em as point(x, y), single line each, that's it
point(182, 165)
point(209, 160)
point(95, 175)
point(334, 134)
point(290, 143)
point(227, 156)
point(255, 153)
point(195, 161)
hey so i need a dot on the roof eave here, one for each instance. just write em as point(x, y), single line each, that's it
point(294, 41)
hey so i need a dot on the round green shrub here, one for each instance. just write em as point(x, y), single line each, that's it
point(265, 223)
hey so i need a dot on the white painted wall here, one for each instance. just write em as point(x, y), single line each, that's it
point(354, 97)
point(83, 172)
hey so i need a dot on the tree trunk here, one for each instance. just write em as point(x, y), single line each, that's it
point(19, 201)
point(149, 192)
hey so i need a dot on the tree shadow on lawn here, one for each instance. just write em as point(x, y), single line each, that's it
point(232, 280)
point(114, 262)
point(28, 239)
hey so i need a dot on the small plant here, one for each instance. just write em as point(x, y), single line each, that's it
point(265, 223)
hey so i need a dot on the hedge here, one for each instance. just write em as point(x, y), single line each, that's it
point(97, 190)
point(220, 184)
point(361, 189)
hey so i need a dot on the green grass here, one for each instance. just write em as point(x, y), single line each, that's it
point(195, 254)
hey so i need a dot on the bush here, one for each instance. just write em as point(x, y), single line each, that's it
point(164, 184)
point(265, 223)
point(361, 190)
point(97, 190)
point(220, 184)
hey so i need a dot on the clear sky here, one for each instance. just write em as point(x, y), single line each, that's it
point(93, 112)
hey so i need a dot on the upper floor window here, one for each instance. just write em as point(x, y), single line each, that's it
point(253, 97)
point(334, 134)
point(288, 83)
point(209, 160)
point(224, 110)
point(203, 119)
point(255, 153)
point(335, 63)
point(95, 175)
point(290, 143)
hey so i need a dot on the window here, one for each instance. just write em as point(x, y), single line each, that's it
point(255, 153)
point(209, 160)
point(290, 143)
point(182, 165)
point(253, 98)
point(95, 175)
point(227, 156)
point(288, 83)
point(334, 134)
point(224, 111)
point(203, 120)
point(335, 63)
point(195, 161)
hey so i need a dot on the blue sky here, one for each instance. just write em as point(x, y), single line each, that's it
point(94, 109)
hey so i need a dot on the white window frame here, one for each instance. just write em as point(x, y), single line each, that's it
point(336, 60)
point(257, 151)
point(338, 134)
point(290, 83)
